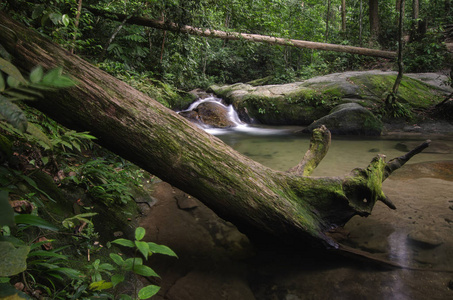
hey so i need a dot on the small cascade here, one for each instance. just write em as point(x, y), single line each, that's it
point(232, 116)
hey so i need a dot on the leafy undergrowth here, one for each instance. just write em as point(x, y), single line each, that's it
point(63, 202)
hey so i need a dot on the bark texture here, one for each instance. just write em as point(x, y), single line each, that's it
point(281, 204)
point(159, 24)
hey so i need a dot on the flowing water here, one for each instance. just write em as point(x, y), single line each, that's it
point(417, 235)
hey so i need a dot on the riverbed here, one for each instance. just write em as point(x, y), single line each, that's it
point(216, 261)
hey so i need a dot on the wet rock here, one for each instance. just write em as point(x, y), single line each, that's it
point(209, 113)
point(434, 169)
point(216, 285)
point(424, 238)
point(214, 114)
point(209, 249)
point(349, 119)
point(191, 116)
point(186, 201)
point(200, 94)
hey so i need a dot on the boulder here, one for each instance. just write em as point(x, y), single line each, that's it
point(211, 114)
point(300, 103)
point(349, 119)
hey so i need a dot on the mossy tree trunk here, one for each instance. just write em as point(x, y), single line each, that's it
point(290, 205)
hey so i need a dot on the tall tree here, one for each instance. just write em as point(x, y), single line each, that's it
point(343, 15)
point(327, 19)
point(415, 9)
point(392, 97)
point(373, 6)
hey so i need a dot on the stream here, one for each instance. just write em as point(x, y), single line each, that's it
point(417, 235)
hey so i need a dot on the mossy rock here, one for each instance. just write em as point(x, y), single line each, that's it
point(301, 103)
point(349, 119)
point(411, 91)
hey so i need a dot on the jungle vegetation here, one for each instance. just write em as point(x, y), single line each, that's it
point(164, 65)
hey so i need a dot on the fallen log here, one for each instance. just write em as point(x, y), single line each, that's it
point(291, 206)
point(227, 35)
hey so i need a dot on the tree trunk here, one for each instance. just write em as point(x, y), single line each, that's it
point(415, 9)
point(392, 97)
point(289, 205)
point(400, 49)
point(245, 36)
point(360, 22)
point(327, 19)
point(374, 19)
point(343, 15)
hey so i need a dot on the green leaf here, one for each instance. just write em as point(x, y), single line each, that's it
point(139, 233)
point(144, 271)
point(161, 249)
point(44, 253)
point(34, 221)
point(39, 244)
point(13, 114)
point(17, 96)
point(100, 285)
point(11, 70)
point(65, 20)
point(28, 90)
point(117, 278)
point(106, 266)
point(6, 211)
point(45, 160)
point(4, 279)
point(55, 78)
point(143, 248)
point(36, 74)
point(39, 135)
point(133, 261)
point(71, 273)
point(125, 297)
point(117, 259)
point(124, 242)
point(148, 291)
point(12, 260)
point(13, 81)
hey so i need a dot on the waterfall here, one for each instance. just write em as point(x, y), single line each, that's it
point(233, 116)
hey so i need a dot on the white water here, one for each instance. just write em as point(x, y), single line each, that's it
point(239, 126)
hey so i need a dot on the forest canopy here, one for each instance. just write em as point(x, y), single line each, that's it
point(187, 62)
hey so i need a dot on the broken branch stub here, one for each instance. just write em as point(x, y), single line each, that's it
point(319, 145)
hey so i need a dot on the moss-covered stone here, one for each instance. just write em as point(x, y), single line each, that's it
point(301, 103)
point(411, 91)
point(347, 119)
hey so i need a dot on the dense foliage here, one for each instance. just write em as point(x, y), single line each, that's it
point(164, 65)
point(187, 62)
point(47, 238)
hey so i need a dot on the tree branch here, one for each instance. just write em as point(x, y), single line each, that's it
point(319, 145)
